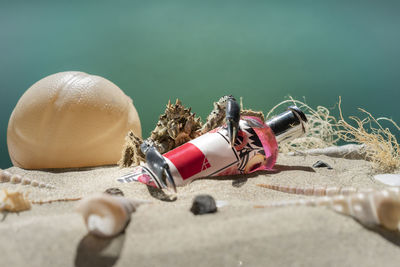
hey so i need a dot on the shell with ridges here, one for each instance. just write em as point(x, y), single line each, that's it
point(107, 215)
point(369, 208)
point(315, 191)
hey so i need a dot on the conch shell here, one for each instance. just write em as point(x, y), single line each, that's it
point(106, 215)
point(315, 191)
point(369, 208)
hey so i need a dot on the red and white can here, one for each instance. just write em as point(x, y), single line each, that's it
point(211, 154)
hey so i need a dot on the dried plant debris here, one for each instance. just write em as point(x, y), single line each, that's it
point(217, 115)
point(14, 201)
point(175, 127)
point(368, 139)
point(321, 128)
point(131, 153)
point(106, 215)
point(381, 146)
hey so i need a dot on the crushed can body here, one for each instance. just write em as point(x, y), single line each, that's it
point(211, 154)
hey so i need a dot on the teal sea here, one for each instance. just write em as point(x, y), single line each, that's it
point(198, 51)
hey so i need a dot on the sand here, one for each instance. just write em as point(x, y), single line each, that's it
point(168, 234)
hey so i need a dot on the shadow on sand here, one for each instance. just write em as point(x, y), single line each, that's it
point(99, 251)
point(391, 236)
point(240, 180)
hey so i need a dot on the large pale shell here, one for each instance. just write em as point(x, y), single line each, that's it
point(106, 215)
point(370, 207)
point(70, 119)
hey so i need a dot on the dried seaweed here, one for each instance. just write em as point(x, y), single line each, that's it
point(382, 147)
point(321, 128)
point(379, 144)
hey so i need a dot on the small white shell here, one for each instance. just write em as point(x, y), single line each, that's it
point(106, 215)
point(14, 201)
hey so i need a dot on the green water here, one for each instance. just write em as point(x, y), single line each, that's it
point(201, 50)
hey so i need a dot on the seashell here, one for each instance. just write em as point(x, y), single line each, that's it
point(14, 201)
point(26, 181)
point(315, 191)
point(84, 116)
point(388, 179)
point(107, 215)
point(369, 208)
point(350, 151)
point(49, 201)
point(16, 179)
point(6, 176)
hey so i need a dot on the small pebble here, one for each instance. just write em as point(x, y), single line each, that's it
point(203, 204)
point(321, 164)
point(114, 191)
point(35, 183)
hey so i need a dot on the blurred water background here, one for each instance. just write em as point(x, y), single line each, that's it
point(198, 51)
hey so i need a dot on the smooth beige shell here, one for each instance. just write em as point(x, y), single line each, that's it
point(70, 119)
point(106, 215)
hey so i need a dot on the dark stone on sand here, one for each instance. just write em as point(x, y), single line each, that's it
point(114, 191)
point(203, 204)
point(321, 164)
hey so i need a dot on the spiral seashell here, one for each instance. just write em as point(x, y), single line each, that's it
point(369, 208)
point(7, 177)
point(107, 215)
point(315, 191)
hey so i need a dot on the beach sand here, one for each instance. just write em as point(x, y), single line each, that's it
point(168, 234)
